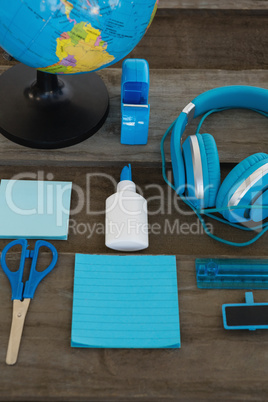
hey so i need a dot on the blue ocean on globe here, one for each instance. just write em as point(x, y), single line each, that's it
point(73, 36)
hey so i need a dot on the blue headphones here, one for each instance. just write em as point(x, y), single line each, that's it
point(243, 195)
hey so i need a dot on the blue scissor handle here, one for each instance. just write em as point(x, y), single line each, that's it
point(35, 276)
point(15, 278)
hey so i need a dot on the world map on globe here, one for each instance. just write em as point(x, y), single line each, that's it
point(73, 36)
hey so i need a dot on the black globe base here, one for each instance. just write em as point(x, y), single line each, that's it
point(41, 110)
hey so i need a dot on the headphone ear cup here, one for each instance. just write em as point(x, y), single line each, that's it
point(205, 149)
point(213, 166)
point(233, 191)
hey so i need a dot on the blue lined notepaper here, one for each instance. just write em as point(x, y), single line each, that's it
point(125, 302)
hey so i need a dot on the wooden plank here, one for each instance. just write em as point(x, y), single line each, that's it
point(174, 229)
point(214, 4)
point(48, 368)
point(201, 39)
point(211, 360)
point(237, 133)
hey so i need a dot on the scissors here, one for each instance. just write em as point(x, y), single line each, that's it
point(22, 295)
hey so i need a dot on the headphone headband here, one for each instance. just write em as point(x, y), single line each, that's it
point(237, 96)
point(231, 97)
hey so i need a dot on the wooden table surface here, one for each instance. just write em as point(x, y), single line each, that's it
point(192, 46)
point(211, 361)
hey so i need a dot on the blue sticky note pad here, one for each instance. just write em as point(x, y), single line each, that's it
point(34, 209)
point(125, 302)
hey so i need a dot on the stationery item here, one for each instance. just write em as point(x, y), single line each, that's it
point(22, 295)
point(243, 195)
point(230, 273)
point(134, 102)
point(125, 302)
point(34, 209)
point(247, 315)
point(126, 225)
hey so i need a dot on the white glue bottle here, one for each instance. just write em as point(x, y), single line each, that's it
point(126, 224)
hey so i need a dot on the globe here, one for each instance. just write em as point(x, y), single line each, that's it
point(50, 101)
point(73, 36)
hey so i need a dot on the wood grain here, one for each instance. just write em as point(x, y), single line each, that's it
point(231, 364)
point(202, 38)
point(214, 4)
point(211, 360)
point(237, 133)
point(174, 229)
point(198, 39)
point(211, 43)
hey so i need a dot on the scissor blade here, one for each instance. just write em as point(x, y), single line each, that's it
point(20, 309)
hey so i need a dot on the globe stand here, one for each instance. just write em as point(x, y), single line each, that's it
point(50, 111)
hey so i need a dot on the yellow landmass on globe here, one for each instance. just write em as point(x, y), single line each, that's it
point(79, 50)
point(61, 47)
point(68, 7)
point(153, 14)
